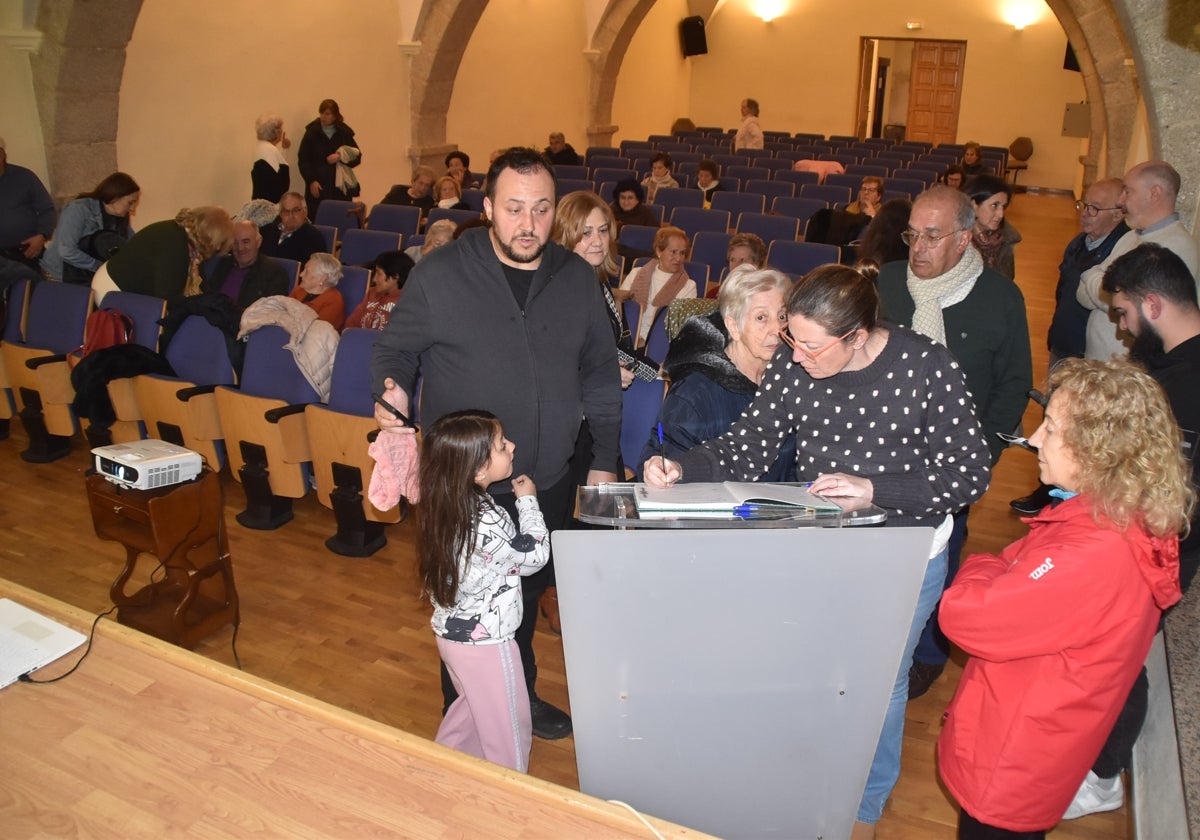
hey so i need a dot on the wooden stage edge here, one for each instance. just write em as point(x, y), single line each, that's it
point(455, 792)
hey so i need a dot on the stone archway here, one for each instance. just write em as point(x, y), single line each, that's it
point(444, 28)
point(607, 51)
point(77, 83)
point(1100, 47)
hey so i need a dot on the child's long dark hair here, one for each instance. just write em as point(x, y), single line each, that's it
point(453, 450)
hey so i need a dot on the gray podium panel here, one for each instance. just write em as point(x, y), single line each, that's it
point(735, 681)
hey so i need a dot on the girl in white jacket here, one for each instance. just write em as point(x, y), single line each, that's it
point(472, 559)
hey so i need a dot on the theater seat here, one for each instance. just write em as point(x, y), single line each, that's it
point(37, 371)
point(182, 409)
point(263, 423)
point(338, 438)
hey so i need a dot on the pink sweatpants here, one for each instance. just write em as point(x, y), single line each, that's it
point(490, 718)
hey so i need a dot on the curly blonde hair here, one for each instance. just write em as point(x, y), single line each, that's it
point(209, 231)
point(1120, 429)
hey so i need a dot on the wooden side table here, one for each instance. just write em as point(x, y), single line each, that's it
point(183, 528)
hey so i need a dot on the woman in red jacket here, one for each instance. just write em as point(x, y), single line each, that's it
point(1059, 624)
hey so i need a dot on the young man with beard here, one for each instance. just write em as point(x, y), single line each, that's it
point(1154, 298)
point(506, 320)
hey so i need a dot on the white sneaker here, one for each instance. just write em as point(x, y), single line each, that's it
point(1095, 796)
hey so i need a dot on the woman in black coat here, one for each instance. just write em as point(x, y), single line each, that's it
point(319, 158)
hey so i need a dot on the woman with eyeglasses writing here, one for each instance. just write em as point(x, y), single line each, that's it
point(878, 413)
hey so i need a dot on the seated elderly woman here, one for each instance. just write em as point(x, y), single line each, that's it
point(458, 167)
point(993, 236)
point(660, 281)
point(920, 472)
point(870, 197)
point(716, 364)
point(90, 228)
point(270, 176)
point(629, 206)
point(163, 258)
point(438, 234)
point(660, 176)
point(1058, 625)
point(447, 192)
point(317, 287)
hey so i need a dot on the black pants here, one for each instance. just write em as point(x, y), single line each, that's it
point(970, 828)
point(1117, 753)
point(557, 504)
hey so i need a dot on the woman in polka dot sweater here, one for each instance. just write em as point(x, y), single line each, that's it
point(879, 413)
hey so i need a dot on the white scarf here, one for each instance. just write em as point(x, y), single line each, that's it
point(344, 177)
point(933, 295)
point(271, 154)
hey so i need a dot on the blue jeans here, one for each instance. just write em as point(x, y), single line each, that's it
point(885, 768)
point(933, 648)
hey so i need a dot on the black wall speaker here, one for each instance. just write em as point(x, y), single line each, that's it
point(691, 36)
point(1070, 62)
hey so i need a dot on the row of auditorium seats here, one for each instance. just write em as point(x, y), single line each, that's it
point(686, 146)
point(268, 424)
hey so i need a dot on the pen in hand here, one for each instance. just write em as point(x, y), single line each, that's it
point(661, 451)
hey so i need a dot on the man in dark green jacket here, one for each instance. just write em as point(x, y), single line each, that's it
point(944, 292)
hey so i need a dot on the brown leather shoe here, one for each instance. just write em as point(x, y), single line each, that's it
point(549, 607)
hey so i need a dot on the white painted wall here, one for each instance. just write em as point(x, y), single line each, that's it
point(522, 76)
point(197, 75)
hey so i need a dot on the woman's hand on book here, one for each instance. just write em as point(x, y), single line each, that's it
point(840, 485)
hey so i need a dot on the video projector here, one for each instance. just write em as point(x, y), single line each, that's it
point(147, 464)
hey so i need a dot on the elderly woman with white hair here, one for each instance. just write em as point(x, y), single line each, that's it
point(317, 287)
point(439, 233)
point(270, 176)
point(716, 364)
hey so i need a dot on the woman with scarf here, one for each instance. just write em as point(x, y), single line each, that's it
point(660, 176)
point(328, 155)
point(270, 176)
point(659, 281)
point(993, 237)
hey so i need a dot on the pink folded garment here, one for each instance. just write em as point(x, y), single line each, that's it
point(396, 459)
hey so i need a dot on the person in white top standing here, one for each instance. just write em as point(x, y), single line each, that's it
point(750, 135)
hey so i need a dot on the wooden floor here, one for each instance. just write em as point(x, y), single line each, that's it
point(353, 633)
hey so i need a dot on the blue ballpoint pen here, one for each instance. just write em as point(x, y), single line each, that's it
point(661, 452)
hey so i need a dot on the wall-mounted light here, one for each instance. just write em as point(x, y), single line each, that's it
point(768, 10)
point(913, 25)
point(1022, 13)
